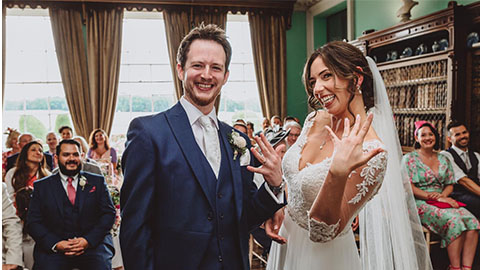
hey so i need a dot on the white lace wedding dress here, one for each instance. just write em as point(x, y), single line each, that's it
point(312, 244)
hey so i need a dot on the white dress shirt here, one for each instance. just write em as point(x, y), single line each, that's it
point(64, 181)
point(193, 114)
point(458, 173)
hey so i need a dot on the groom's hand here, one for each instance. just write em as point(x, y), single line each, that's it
point(271, 161)
point(272, 226)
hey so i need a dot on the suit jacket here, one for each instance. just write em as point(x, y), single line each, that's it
point(46, 214)
point(11, 231)
point(12, 160)
point(167, 202)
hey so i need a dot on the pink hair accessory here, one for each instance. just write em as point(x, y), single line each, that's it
point(420, 123)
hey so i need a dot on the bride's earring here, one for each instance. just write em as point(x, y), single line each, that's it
point(359, 90)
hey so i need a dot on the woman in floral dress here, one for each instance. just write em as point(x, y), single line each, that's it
point(431, 175)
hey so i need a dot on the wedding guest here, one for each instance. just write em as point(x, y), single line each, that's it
point(23, 139)
point(66, 132)
point(52, 142)
point(101, 151)
point(465, 163)
point(12, 147)
point(88, 165)
point(12, 253)
point(241, 126)
point(70, 216)
point(431, 176)
point(29, 168)
point(295, 130)
point(250, 131)
point(276, 122)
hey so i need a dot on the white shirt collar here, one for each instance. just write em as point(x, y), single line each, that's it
point(193, 113)
point(458, 150)
point(64, 177)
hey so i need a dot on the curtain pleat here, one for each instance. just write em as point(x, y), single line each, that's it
point(104, 48)
point(178, 22)
point(268, 34)
point(89, 66)
point(72, 60)
point(4, 45)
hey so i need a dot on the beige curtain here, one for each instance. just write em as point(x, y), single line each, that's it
point(72, 60)
point(104, 47)
point(268, 34)
point(178, 22)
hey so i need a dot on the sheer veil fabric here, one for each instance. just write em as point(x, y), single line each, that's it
point(391, 235)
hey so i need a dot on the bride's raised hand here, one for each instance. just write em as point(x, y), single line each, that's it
point(349, 154)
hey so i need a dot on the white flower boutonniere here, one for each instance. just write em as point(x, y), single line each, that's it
point(82, 182)
point(238, 143)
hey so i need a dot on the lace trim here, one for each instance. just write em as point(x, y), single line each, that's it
point(374, 170)
point(320, 231)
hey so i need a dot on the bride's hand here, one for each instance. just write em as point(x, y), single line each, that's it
point(349, 153)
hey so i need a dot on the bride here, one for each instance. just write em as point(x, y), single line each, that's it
point(337, 166)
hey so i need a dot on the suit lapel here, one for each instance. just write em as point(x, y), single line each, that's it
point(181, 129)
point(82, 193)
point(58, 191)
point(234, 166)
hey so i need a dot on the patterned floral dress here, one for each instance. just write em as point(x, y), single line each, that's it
point(448, 223)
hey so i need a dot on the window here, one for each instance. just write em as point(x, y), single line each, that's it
point(240, 98)
point(34, 98)
point(146, 84)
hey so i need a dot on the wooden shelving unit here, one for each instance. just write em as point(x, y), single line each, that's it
point(432, 85)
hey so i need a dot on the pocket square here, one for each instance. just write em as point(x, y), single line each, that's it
point(92, 190)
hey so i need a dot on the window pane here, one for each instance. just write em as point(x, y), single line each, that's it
point(34, 96)
point(146, 85)
point(240, 98)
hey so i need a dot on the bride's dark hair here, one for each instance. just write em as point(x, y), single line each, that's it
point(343, 60)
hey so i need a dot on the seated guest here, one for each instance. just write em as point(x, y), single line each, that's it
point(276, 123)
point(22, 141)
point(465, 167)
point(101, 152)
point(240, 126)
point(29, 168)
point(12, 146)
point(52, 142)
point(12, 253)
point(88, 165)
point(66, 132)
point(265, 126)
point(295, 130)
point(432, 180)
point(70, 216)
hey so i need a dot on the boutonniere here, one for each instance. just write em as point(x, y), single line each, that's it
point(238, 144)
point(82, 182)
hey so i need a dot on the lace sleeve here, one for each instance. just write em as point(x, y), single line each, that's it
point(359, 189)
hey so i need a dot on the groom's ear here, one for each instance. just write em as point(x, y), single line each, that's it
point(180, 72)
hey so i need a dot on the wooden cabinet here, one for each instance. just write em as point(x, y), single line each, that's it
point(424, 66)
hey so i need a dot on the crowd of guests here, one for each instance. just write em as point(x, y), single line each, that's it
point(26, 161)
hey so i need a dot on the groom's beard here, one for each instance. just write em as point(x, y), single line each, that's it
point(68, 172)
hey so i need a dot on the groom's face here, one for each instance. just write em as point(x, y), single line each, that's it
point(204, 72)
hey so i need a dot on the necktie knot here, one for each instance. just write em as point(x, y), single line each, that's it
point(205, 121)
point(69, 180)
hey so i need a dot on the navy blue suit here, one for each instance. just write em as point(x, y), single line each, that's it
point(175, 213)
point(52, 218)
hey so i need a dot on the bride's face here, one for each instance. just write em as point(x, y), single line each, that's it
point(329, 89)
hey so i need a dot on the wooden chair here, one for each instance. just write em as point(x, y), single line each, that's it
point(251, 252)
point(428, 238)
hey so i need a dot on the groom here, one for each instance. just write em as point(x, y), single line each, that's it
point(188, 200)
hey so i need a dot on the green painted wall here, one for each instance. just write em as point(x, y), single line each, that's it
point(296, 57)
point(381, 14)
point(320, 30)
